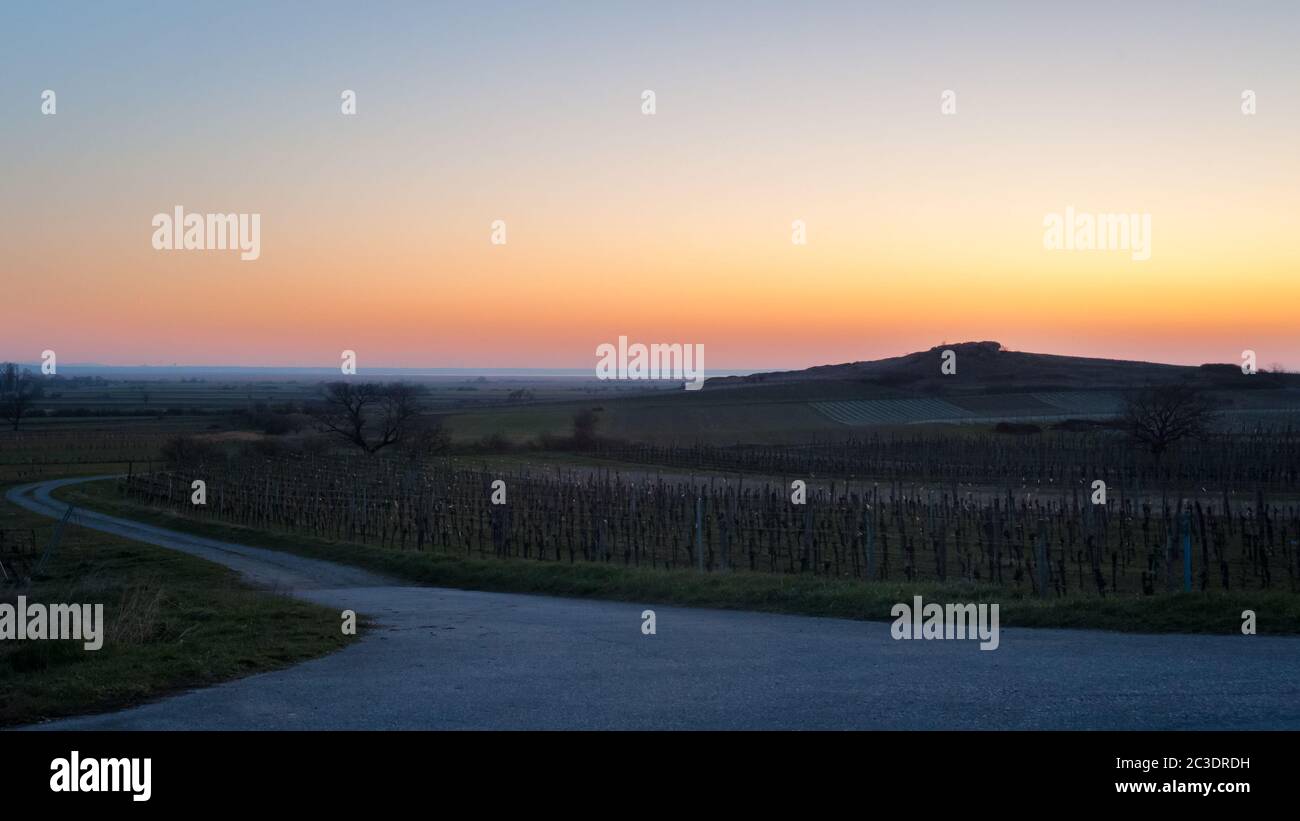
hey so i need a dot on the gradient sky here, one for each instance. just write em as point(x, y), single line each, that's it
point(922, 228)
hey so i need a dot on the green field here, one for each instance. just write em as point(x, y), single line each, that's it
point(173, 622)
point(724, 419)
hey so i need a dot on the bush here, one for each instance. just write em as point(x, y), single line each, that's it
point(584, 429)
point(271, 421)
point(1019, 428)
point(427, 437)
point(184, 450)
point(495, 443)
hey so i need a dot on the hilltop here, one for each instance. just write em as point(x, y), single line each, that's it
point(988, 367)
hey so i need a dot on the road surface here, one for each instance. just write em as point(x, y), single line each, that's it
point(454, 659)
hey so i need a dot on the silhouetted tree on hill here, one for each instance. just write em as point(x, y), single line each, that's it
point(1158, 416)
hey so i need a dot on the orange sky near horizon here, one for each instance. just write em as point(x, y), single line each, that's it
point(922, 228)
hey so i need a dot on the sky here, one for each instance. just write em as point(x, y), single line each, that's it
point(376, 228)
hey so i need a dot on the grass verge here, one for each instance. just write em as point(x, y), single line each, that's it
point(172, 622)
point(1277, 612)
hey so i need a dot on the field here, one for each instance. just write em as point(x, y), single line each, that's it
point(914, 510)
point(901, 489)
point(805, 594)
point(173, 622)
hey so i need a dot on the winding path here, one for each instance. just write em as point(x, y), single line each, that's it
point(454, 659)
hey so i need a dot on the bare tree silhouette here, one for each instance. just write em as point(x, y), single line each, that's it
point(18, 390)
point(1160, 415)
point(370, 415)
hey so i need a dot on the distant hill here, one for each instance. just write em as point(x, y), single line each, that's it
point(987, 367)
point(830, 402)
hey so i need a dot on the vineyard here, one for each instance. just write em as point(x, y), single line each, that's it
point(27, 446)
point(1060, 405)
point(1266, 461)
point(27, 456)
point(883, 530)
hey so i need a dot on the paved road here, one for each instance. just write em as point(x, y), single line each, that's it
point(452, 659)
